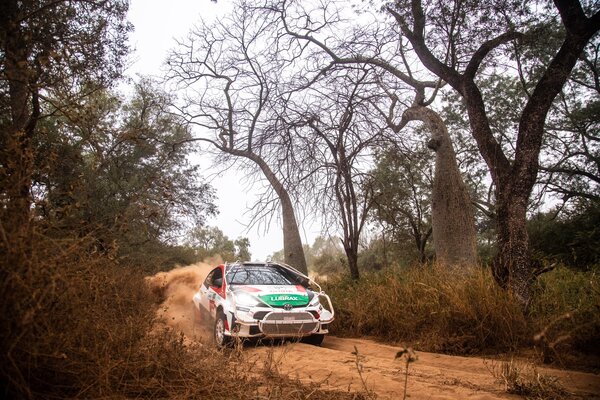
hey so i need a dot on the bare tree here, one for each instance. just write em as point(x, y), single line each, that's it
point(228, 74)
point(335, 132)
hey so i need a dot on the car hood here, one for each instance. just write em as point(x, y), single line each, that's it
point(278, 295)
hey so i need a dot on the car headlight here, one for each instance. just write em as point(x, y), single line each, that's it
point(244, 299)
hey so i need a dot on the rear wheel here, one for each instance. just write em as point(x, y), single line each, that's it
point(221, 340)
point(315, 340)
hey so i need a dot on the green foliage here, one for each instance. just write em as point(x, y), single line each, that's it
point(402, 183)
point(118, 170)
point(65, 45)
point(573, 240)
point(211, 241)
point(565, 314)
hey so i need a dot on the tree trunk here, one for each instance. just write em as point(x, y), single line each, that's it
point(512, 264)
point(514, 180)
point(17, 155)
point(352, 257)
point(292, 243)
point(452, 216)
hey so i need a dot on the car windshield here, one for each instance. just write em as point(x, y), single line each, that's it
point(260, 275)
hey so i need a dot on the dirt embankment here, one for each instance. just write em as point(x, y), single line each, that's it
point(336, 365)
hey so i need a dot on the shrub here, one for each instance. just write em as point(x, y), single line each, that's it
point(436, 309)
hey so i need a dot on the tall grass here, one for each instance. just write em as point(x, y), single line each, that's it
point(436, 309)
point(565, 316)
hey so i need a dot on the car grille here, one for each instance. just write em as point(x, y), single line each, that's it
point(289, 316)
point(291, 323)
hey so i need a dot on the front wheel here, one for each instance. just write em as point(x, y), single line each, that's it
point(221, 340)
point(315, 340)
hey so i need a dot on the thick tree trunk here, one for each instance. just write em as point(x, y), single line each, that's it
point(514, 180)
point(452, 215)
point(292, 243)
point(512, 264)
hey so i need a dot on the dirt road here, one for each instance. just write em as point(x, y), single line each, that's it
point(431, 376)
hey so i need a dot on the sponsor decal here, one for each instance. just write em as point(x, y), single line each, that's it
point(282, 299)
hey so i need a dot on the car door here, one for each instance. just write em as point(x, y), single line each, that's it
point(210, 288)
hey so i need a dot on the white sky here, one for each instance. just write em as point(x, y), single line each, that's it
point(157, 25)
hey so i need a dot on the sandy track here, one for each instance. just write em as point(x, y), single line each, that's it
point(432, 376)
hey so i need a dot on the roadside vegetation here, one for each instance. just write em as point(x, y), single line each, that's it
point(462, 311)
point(431, 309)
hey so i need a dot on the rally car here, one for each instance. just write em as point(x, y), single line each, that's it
point(263, 300)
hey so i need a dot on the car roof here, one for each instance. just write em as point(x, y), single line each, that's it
point(243, 264)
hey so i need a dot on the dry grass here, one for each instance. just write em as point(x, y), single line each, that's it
point(82, 326)
point(431, 308)
point(525, 380)
point(434, 309)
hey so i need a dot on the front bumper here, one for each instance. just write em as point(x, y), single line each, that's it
point(269, 322)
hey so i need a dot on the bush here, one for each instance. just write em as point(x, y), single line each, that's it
point(565, 315)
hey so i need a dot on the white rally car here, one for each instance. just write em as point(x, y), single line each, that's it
point(256, 300)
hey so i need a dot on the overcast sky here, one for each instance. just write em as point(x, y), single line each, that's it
point(157, 25)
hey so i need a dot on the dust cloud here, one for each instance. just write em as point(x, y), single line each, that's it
point(177, 287)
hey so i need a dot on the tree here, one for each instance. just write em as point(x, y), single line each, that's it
point(570, 161)
point(572, 239)
point(48, 47)
point(229, 72)
point(336, 134)
point(452, 217)
point(378, 46)
point(452, 40)
point(118, 170)
point(211, 241)
point(402, 182)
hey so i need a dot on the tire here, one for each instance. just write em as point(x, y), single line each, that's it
point(315, 340)
point(221, 340)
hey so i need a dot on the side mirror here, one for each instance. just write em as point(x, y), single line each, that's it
point(218, 282)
